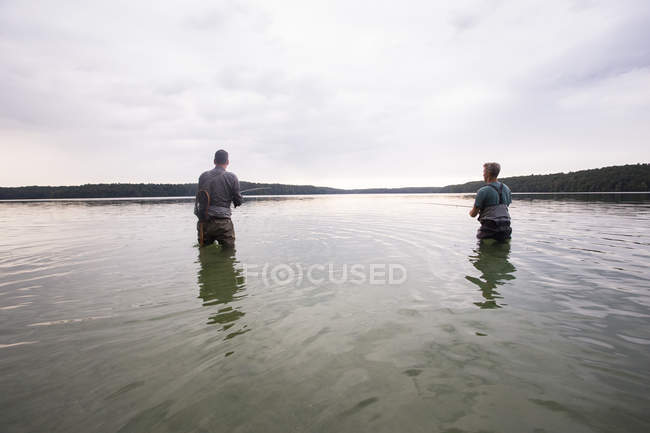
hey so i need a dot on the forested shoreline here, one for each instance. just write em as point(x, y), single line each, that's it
point(623, 178)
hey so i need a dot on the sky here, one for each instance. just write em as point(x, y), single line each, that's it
point(346, 93)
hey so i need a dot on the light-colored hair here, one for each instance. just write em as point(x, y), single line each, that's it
point(493, 168)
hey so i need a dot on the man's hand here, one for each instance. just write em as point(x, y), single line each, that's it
point(474, 211)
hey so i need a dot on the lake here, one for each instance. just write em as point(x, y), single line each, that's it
point(340, 313)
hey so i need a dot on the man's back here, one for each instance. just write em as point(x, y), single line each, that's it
point(488, 195)
point(491, 205)
point(223, 188)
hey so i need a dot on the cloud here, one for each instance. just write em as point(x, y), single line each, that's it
point(331, 93)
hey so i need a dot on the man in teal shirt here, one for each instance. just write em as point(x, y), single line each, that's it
point(491, 205)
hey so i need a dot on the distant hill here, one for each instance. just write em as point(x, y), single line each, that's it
point(115, 190)
point(622, 178)
point(618, 178)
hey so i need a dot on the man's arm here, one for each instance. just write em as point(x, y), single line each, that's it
point(196, 203)
point(237, 198)
point(478, 204)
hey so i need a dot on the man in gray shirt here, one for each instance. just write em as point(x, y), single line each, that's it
point(217, 189)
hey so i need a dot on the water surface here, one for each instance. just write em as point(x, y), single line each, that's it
point(112, 320)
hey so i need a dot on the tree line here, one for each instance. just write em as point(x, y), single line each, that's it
point(623, 178)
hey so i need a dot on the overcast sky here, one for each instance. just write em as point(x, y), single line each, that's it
point(337, 93)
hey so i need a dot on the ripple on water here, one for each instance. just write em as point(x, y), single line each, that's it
point(114, 306)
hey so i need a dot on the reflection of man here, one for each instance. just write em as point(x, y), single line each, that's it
point(217, 189)
point(492, 261)
point(219, 282)
point(491, 205)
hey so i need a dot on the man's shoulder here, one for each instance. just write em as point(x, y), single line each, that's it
point(484, 189)
point(230, 175)
point(212, 173)
point(208, 172)
point(481, 196)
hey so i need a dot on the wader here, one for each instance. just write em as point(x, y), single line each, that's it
point(220, 230)
point(495, 220)
point(210, 229)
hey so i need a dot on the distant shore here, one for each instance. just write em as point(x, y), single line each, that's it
point(623, 178)
point(271, 196)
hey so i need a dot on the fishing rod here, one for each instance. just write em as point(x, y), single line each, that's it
point(436, 204)
point(254, 189)
point(454, 205)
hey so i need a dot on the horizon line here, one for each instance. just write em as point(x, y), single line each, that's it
point(318, 186)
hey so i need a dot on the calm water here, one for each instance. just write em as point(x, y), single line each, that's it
point(112, 320)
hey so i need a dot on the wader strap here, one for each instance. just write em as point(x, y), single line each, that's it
point(201, 240)
point(499, 190)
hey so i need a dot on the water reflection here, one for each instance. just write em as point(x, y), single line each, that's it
point(491, 259)
point(221, 282)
